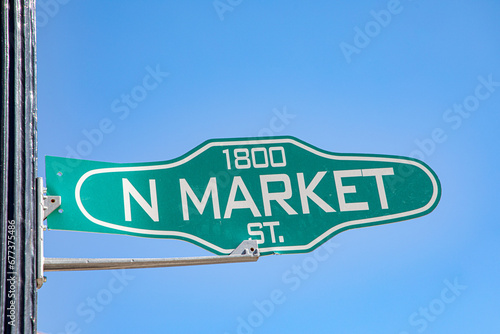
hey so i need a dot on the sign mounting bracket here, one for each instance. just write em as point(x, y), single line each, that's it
point(247, 251)
point(45, 205)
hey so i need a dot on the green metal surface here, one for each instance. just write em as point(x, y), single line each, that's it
point(286, 194)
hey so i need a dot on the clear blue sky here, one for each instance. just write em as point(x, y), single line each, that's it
point(414, 78)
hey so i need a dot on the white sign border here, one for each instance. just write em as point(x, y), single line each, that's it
point(301, 248)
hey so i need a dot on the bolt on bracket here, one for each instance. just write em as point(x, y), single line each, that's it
point(50, 204)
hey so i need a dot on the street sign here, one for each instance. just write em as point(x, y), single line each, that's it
point(286, 194)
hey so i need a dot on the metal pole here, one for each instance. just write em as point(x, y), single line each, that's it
point(18, 163)
point(64, 264)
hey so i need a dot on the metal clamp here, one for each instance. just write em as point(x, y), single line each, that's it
point(50, 204)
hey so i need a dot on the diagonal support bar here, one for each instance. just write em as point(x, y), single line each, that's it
point(247, 251)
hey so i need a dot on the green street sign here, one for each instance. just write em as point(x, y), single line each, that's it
point(288, 195)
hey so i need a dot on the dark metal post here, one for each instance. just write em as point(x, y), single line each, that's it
point(18, 163)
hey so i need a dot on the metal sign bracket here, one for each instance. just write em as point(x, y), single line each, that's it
point(247, 251)
point(45, 205)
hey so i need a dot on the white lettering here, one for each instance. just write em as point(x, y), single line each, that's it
point(248, 203)
point(129, 190)
point(378, 173)
point(256, 233)
point(308, 192)
point(200, 205)
point(342, 190)
point(279, 197)
point(271, 229)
